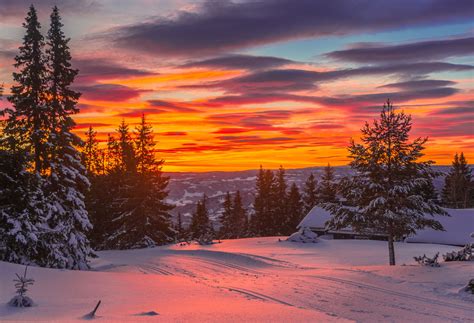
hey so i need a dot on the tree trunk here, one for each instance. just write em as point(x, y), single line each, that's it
point(391, 250)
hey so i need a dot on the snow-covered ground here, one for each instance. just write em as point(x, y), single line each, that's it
point(257, 279)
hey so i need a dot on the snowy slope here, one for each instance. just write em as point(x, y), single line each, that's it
point(258, 279)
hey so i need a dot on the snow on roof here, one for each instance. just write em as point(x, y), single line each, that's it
point(316, 218)
point(458, 226)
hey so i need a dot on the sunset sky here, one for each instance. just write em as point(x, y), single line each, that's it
point(232, 85)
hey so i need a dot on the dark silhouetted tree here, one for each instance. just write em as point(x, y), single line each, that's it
point(280, 199)
point(226, 218)
point(295, 210)
point(327, 189)
point(29, 120)
point(262, 221)
point(310, 193)
point(458, 191)
point(200, 225)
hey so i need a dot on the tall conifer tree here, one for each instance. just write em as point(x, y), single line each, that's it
point(458, 191)
point(200, 225)
point(327, 189)
point(29, 120)
point(262, 221)
point(240, 220)
point(384, 195)
point(295, 210)
point(226, 218)
point(310, 193)
point(66, 244)
point(280, 198)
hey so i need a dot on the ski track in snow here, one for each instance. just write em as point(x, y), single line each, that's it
point(267, 279)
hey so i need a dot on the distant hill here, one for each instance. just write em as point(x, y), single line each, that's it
point(187, 188)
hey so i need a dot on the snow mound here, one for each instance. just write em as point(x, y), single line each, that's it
point(21, 301)
point(304, 235)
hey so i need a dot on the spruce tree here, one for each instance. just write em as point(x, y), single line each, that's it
point(384, 194)
point(179, 227)
point(144, 148)
point(66, 244)
point(264, 204)
point(280, 198)
point(91, 153)
point(200, 225)
point(327, 189)
point(458, 191)
point(310, 193)
point(239, 216)
point(21, 215)
point(20, 196)
point(295, 210)
point(139, 214)
point(226, 218)
point(29, 120)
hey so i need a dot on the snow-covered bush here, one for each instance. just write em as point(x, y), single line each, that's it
point(304, 235)
point(465, 254)
point(426, 261)
point(21, 285)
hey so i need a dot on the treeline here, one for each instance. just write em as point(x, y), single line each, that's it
point(43, 218)
point(126, 200)
point(276, 210)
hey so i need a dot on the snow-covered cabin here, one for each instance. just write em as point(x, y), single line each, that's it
point(458, 228)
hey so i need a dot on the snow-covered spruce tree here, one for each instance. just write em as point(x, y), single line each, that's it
point(458, 191)
point(21, 214)
point(200, 225)
point(225, 219)
point(24, 151)
point(295, 210)
point(310, 193)
point(65, 244)
point(327, 189)
point(28, 120)
point(20, 194)
point(383, 195)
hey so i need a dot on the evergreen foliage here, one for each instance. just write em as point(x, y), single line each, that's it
point(233, 219)
point(40, 156)
point(280, 207)
point(310, 193)
point(458, 191)
point(201, 227)
point(21, 284)
point(127, 203)
point(28, 121)
point(327, 189)
point(295, 208)
point(384, 194)
point(264, 205)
